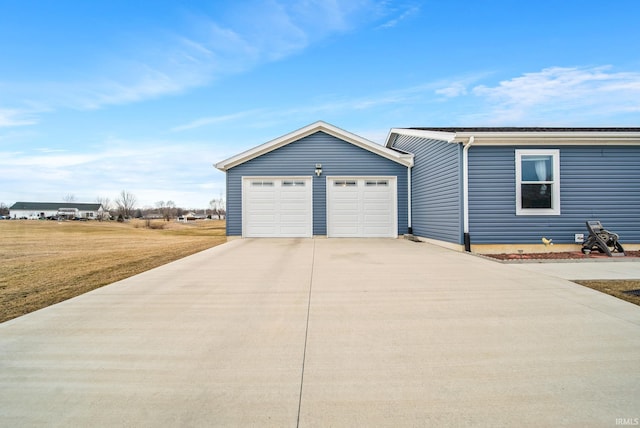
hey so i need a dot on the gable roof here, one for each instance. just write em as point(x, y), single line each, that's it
point(49, 206)
point(522, 135)
point(319, 126)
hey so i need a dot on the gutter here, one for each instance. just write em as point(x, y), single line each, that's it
point(465, 192)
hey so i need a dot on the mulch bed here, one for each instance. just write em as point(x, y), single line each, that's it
point(557, 256)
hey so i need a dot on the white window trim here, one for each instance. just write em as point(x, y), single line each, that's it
point(555, 201)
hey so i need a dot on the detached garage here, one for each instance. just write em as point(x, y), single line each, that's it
point(318, 180)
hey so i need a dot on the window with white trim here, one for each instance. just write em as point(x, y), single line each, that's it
point(537, 182)
point(262, 183)
point(377, 183)
point(345, 183)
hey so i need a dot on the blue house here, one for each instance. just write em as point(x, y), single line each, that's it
point(480, 189)
point(504, 189)
point(318, 180)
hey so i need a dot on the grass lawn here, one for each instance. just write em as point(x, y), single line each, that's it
point(46, 262)
point(615, 288)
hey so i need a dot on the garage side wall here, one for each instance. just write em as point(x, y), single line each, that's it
point(596, 183)
point(436, 183)
point(338, 158)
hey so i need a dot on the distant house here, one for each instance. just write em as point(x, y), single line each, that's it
point(191, 216)
point(475, 189)
point(43, 210)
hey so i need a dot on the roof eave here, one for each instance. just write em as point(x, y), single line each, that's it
point(555, 138)
point(426, 134)
point(497, 138)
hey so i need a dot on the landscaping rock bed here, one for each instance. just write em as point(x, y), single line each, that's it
point(557, 256)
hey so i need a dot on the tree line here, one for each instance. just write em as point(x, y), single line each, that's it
point(125, 206)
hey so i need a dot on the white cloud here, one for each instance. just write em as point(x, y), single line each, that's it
point(158, 64)
point(411, 10)
point(14, 117)
point(572, 95)
point(212, 120)
point(152, 170)
point(457, 86)
point(328, 105)
point(454, 90)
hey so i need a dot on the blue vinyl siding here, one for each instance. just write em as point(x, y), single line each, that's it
point(338, 158)
point(596, 183)
point(436, 182)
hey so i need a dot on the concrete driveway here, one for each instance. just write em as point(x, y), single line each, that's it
point(326, 332)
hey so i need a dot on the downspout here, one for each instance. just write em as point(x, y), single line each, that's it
point(409, 227)
point(465, 193)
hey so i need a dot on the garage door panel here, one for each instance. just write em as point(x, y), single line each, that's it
point(291, 206)
point(361, 207)
point(377, 218)
point(341, 219)
point(376, 196)
point(263, 205)
point(346, 197)
point(293, 219)
point(263, 218)
point(373, 206)
point(293, 196)
point(277, 207)
point(345, 208)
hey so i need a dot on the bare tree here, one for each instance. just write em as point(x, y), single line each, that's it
point(126, 203)
point(170, 210)
point(166, 209)
point(69, 197)
point(4, 209)
point(217, 207)
point(213, 206)
point(160, 206)
point(105, 202)
point(106, 206)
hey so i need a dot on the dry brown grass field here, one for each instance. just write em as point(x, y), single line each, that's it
point(46, 262)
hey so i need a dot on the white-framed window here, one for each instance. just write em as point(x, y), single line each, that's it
point(345, 183)
point(262, 183)
point(537, 182)
point(377, 183)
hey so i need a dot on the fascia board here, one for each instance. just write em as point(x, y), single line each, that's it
point(551, 138)
point(267, 147)
point(356, 140)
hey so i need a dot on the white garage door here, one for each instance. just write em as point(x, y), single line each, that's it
point(361, 207)
point(276, 207)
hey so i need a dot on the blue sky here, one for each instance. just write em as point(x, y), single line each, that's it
point(99, 97)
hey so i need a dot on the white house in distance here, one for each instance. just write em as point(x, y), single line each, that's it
point(38, 210)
